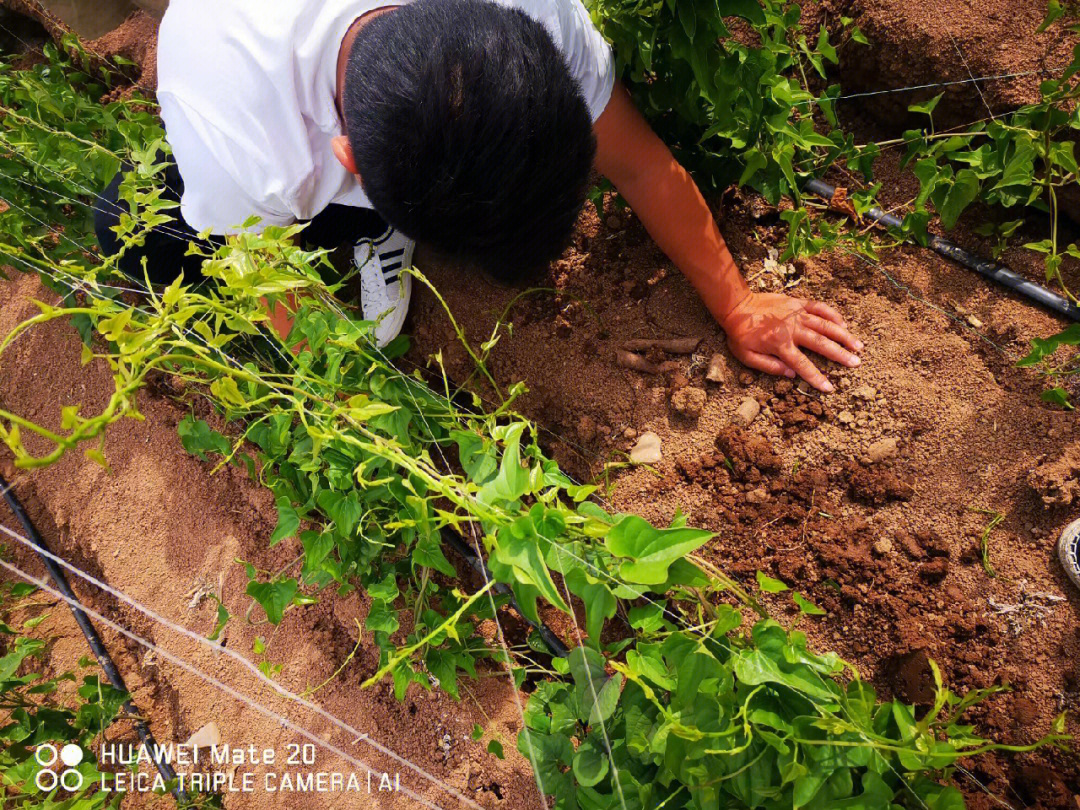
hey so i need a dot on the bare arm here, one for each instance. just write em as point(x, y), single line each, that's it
point(764, 330)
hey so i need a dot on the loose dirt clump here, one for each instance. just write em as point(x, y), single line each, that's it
point(1057, 482)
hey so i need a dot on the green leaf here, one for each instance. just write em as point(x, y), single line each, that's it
point(343, 508)
point(964, 190)
point(273, 596)
point(428, 554)
point(590, 764)
point(198, 438)
point(518, 546)
point(600, 603)
point(597, 695)
point(805, 605)
point(381, 618)
point(1054, 11)
point(651, 550)
point(512, 480)
point(926, 107)
point(1057, 396)
point(219, 624)
point(1041, 348)
point(495, 747)
point(747, 9)
point(1020, 170)
point(288, 521)
point(770, 585)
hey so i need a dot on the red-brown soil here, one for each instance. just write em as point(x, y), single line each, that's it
point(871, 501)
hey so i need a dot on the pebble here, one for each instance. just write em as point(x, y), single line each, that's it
point(647, 449)
point(883, 546)
point(717, 371)
point(688, 401)
point(864, 392)
point(630, 433)
point(747, 411)
point(975, 322)
point(881, 450)
point(205, 737)
point(846, 418)
point(759, 495)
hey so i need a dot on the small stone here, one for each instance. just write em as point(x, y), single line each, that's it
point(975, 322)
point(629, 433)
point(207, 736)
point(846, 418)
point(647, 449)
point(881, 450)
point(883, 546)
point(688, 401)
point(759, 495)
point(864, 392)
point(746, 378)
point(747, 411)
point(614, 222)
point(717, 371)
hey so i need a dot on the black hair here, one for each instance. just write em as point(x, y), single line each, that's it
point(469, 133)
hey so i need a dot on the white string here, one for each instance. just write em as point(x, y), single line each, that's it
point(254, 670)
point(967, 67)
point(973, 80)
point(180, 662)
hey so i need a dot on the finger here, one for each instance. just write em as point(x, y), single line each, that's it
point(803, 366)
point(817, 342)
point(832, 331)
point(766, 363)
point(823, 310)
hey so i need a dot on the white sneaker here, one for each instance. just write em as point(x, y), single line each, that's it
point(384, 289)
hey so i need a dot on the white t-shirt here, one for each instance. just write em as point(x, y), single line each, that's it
point(247, 95)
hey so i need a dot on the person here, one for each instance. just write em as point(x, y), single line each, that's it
point(469, 126)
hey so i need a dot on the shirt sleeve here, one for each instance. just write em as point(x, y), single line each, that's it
point(589, 55)
point(214, 197)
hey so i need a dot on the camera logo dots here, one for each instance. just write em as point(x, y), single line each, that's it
point(69, 779)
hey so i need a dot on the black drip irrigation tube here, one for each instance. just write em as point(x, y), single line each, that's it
point(547, 635)
point(994, 271)
point(92, 638)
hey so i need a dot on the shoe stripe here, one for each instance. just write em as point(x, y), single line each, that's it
point(391, 278)
point(388, 267)
point(392, 254)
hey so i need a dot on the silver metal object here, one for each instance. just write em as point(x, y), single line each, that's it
point(1069, 551)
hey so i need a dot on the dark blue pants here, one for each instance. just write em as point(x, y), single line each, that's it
point(166, 245)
